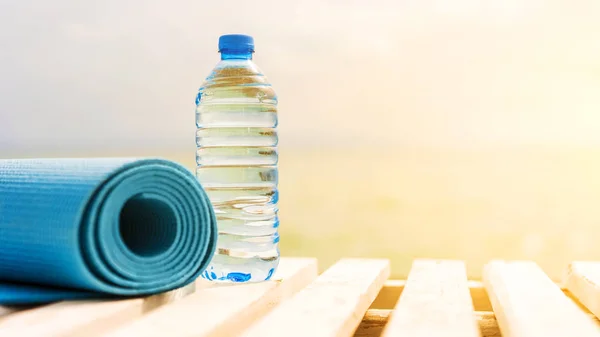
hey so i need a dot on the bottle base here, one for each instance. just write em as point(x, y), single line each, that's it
point(227, 269)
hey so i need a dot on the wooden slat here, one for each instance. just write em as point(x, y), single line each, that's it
point(583, 281)
point(527, 303)
point(332, 306)
point(76, 318)
point(6, 310)
point(435, 302)
point(223, 310)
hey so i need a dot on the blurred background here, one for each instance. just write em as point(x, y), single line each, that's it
point(433, 128)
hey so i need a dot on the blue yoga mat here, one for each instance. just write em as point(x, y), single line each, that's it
point(89, 228)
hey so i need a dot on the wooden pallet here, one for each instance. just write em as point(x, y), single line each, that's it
point(352, 298)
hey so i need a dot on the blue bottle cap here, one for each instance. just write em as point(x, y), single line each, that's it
point(236, 42)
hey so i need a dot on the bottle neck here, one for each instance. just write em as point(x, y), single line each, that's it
point(229, 54)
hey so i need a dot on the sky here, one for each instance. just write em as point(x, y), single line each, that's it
point(80, 75)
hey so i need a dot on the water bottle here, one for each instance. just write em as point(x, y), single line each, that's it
point(236, 137)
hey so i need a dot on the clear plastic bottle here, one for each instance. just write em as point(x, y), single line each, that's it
point(236, 119)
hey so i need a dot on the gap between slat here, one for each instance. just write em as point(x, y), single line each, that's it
point(392, 290)
point(375, 320)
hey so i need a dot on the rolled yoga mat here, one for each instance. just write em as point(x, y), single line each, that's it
point(89, 228)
